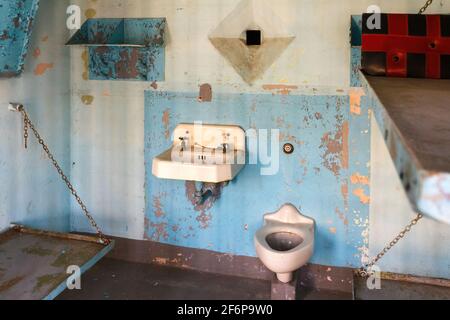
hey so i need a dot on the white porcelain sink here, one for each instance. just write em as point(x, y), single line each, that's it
point(198, 154)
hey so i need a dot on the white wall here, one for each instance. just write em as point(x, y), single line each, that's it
point(424, 251)
point(30, 190)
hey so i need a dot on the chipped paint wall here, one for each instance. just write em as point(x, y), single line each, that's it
point(31, 192)
point(108, 128)
point(315, 178)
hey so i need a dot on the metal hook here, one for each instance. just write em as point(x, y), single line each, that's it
point(15, 107)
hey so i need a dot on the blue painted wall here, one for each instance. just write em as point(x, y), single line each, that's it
point(315, 178)
point(16, 23)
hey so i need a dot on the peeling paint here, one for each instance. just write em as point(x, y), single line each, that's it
point(355, 100)
point(280, 88)
point(360, 193)
point(335, 146)
point(85, 59)
point(41, 68)
point(166, 122)
point(158, 207)
point(357, 178)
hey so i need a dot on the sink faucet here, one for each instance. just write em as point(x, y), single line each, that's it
point(224, 147)
point(184, 143)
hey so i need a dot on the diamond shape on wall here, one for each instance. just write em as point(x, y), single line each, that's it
point(230, 38)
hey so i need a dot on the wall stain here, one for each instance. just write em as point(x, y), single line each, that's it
point(166, 123)
point(10, 283)
point(87, 99)
point(90, 13)
point(280, 88)
point(36, 53)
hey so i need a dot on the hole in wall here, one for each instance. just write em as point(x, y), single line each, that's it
point(253, 37)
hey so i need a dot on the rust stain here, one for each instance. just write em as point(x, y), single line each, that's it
point(157, 207)
point(280, 88)
point(41, 68)
point(90, 13)
point(154, 85)
point(355, 100)
point(44, 39)
point(127, 65)
point(359, 179)
point(87, 99)
point(362, 196)
point(332, 230)
point(205, 94)
point(166, 122)
point(344, 192)
point(36, 52)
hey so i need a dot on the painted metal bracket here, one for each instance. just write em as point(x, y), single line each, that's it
point(124, 49)
point(16, 25)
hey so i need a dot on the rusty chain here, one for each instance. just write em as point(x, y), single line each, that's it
point(366, 270)
point(28, 124)
point(425, 7)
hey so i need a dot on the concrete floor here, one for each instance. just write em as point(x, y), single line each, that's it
point(398, 290)
point(113, 279)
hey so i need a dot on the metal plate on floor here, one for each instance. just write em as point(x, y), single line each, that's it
point(34, 264)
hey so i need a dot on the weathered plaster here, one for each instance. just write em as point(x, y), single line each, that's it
point(221, 225)
point(317, 63)
point(31, 192)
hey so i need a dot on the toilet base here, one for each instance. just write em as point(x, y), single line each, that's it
point(285, 277)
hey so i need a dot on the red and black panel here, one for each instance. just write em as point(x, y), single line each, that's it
point(407, 45)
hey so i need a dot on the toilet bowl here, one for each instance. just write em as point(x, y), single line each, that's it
point(286, 242)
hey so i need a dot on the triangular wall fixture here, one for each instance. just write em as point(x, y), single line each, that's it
point(251, 57)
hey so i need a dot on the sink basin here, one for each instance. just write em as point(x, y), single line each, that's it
point(199, 158)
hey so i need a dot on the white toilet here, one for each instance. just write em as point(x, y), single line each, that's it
point(286, 242)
